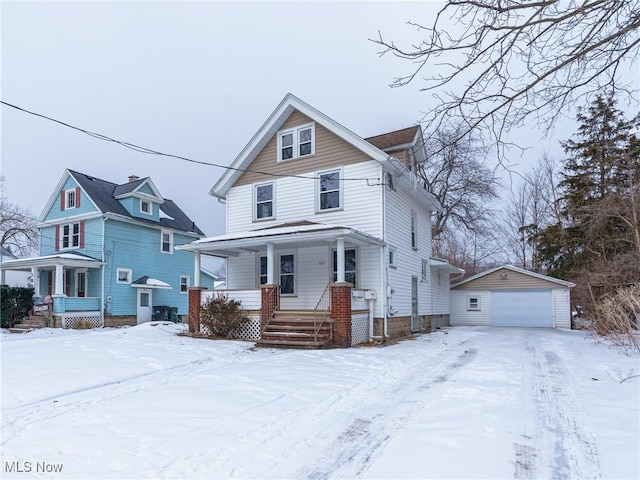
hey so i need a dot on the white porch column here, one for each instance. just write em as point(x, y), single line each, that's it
point(340, 259)
point(270, 264)
point(59, 280)
point(35, 274)
point(2, 278)
point(196, 269)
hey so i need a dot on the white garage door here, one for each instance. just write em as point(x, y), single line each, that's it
point(521, 308)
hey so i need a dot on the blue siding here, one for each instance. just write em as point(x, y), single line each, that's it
point(86, 206)
point(146, 189)
point(132, 204)
point(206, 281)
point(92, 239)
point(137, 248)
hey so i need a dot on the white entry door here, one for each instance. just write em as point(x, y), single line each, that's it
point(144, 305)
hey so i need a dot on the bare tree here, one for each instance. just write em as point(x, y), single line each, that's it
point(530, 209)
point(494, 64)
point(18, 232)
point(471, 251)
point(456, 176)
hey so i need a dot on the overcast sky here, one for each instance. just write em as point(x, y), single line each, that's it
point(192, 79)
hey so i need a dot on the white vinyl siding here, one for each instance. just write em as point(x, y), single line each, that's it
point(439, 285)
point(561, 307)
point(461, 316)
point(296, 199)
point(399, 209)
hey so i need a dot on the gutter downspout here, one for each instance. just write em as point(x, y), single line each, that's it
point(104, 271)
point(383, 259)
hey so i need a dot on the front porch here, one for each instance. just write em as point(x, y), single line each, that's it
point(67, 288)
point(305, 284)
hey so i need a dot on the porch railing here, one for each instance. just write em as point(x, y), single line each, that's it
point(76, 304)
point(321, 312)
point(250, 298)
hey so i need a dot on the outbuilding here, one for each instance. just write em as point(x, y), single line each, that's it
point(509, 296)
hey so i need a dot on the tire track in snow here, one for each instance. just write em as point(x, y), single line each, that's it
point(23, 416)
point(341, 408)
point(352, 450)
point(575, 452)
point(555, 440)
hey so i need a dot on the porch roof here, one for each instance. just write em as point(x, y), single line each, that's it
point(306, 234)
point(70, 259)
point(445, 266)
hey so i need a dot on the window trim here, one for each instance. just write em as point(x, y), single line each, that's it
point(129, 274)
point(392, 262)
point(72, 191)
point(255, 201)
point(295, 146)
point(70, 236)
point(426, 271)
point(162, 234)
point(332, 272)
point(259, 271)
point(188, 284)
point(319, 191)
point(294, 274)
point(413, 230)
point(478, 307)
point(146, 202)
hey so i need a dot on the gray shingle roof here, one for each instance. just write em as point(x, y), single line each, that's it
point(103, 195)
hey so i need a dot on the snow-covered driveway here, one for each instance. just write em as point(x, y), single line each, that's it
point(459, 403)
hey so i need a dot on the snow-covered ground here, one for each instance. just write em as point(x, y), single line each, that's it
point(476, 403)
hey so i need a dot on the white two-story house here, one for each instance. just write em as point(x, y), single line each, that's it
point(329, 230)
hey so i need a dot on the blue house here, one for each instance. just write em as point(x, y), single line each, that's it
point(107, 252)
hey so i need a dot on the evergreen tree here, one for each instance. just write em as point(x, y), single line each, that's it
point(599, 188)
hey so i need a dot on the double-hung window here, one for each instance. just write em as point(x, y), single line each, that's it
point(262, 273)
point(414, 230)
point(264, 201)
point(426, 270)
point(184, 283)
point(70, 199)
point(329, 192)
point(145, 207)
point(166, 242)
point(70, 236)
point(296, 142)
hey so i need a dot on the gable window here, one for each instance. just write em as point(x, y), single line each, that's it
point(264, 201)
point(425, 270)
point(473, 303)
point(70, 196)
point(166, 242)
point(329, 190)
point(123, 275)
point(414, 230)
point(184, 284)
point(70, 236)
point(296, 142)
point(145, 207)
point(350, 270)
point(287, 274)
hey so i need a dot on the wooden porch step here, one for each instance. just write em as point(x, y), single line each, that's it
point(307, 344)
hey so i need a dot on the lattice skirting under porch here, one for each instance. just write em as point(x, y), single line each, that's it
point(251, 331)
point(73, 320)
point(359, 328)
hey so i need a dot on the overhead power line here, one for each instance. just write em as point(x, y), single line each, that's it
point(149, 151)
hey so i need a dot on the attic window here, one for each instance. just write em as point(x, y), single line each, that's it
point(296, 142)
point(70, 199)
point(145, 207)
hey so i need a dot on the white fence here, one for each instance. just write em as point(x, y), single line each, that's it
point(359, 328)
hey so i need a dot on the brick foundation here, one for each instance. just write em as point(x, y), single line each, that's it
point(120, 321)
point(195, 304)
point(341, 314)
point(270, 300)
point(398, 327)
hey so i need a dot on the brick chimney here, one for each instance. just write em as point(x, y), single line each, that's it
point(133, 178)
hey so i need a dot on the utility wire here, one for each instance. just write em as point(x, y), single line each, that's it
point(140, 149)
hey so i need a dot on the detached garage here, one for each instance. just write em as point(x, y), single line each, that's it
point(509, 296)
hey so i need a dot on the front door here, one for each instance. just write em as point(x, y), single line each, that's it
point(415, 324)
point(144, 305)
point(81, 284)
